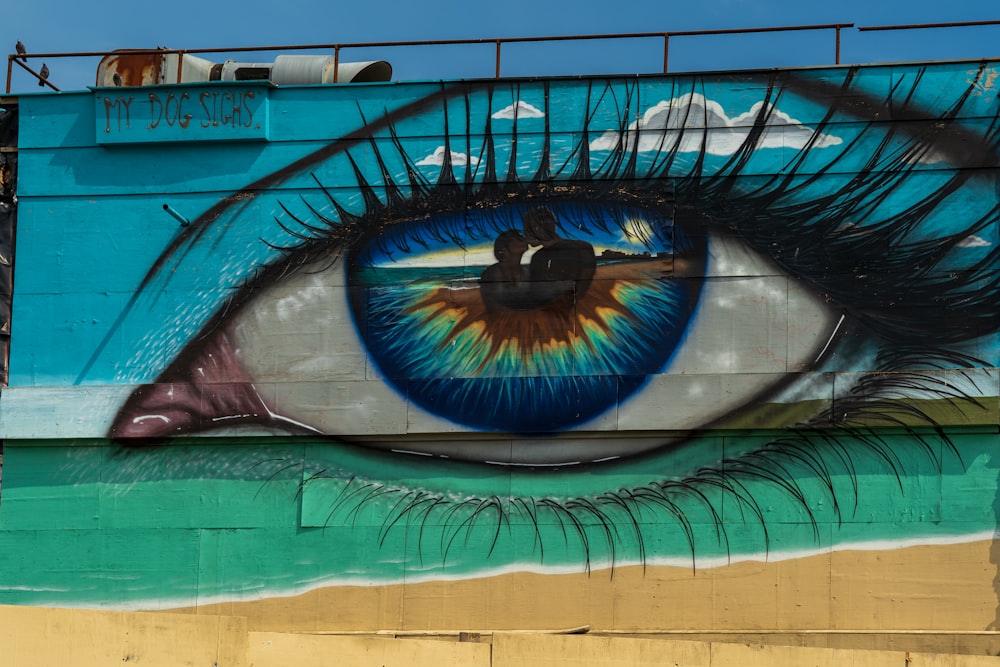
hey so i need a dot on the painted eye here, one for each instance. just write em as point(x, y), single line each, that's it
point(387, 311)
point(619, 316)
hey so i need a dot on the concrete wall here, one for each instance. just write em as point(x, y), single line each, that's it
point(271, 356)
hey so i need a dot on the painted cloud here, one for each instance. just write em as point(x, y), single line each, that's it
point(973, 241)
point(436, 159)
point(519, 110)
point(686, 118)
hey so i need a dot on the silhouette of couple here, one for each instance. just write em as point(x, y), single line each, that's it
point(560, 271)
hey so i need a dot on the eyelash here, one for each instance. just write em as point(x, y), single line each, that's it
point(850, 280)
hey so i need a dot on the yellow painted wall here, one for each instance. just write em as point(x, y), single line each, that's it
point(271, 649)
point(31, 636)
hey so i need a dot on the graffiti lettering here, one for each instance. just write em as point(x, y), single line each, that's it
point(169, 110)
point(118, 104)
point(227, 109)
point(222, 113)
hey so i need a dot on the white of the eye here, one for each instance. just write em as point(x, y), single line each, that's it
point(298, 342)
point(752, 327)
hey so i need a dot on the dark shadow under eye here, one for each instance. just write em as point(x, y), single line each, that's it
point(525, 318)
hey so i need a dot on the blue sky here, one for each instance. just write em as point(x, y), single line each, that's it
point(71, 25)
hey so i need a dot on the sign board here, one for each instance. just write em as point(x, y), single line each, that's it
point(207, 112)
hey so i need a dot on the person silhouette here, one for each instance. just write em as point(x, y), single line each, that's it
point(505, 284)
point(562, 269)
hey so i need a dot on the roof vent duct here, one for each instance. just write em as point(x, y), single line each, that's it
point(147, 69)
point(293, 70)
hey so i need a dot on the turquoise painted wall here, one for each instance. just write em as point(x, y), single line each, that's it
point(254, 349)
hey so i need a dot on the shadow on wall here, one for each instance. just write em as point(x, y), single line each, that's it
point(8, 219)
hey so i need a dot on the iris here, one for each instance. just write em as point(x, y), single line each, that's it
point(548, 363)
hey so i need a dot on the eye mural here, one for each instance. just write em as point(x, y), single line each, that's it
point(580, 323)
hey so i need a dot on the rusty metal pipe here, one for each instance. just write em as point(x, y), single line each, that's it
point(783, 28)
point(498, 42)
point(917, 26)
point(446, 42)
point(17, 61)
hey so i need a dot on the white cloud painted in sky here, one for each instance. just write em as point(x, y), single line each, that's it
point(519, 110)
point(930, 157)
point(973, 242)
point(704, 120)
point(436, 159)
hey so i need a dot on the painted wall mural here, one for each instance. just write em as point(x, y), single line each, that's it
point(459, 331)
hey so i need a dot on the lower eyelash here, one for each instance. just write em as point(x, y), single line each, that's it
point(826, 450)
point(594, 524)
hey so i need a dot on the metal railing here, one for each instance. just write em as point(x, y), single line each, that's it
point(21, 59)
